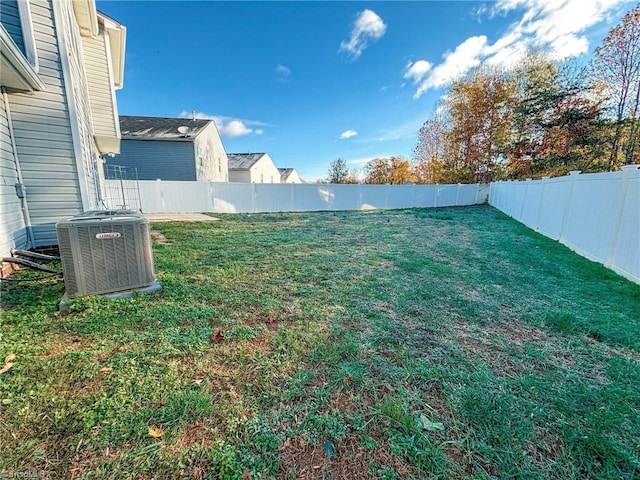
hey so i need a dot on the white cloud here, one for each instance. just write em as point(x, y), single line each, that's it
point(417, 70)
point(234, 128)
point(283, 72)
point(466, 56)
point(348, 134)
point(228, 127)
point(559, 26)
point(367, 27)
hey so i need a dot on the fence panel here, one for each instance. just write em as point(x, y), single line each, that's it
point(175, 196)
point(553, 206)
point(597, 215)
point(591, 215)
point(625, 252)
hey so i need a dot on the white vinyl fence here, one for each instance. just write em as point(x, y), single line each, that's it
point(173, 196)
point(597, 215)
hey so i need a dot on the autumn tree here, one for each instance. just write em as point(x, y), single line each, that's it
point(556, 122)
point(479, 108)
point(431, 152)
point(617, 71)
point(393, 170)
point(338, 171)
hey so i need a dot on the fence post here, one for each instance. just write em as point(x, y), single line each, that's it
point(457, 195)
point(565, 219)
point(627, 171)
point(254, 197)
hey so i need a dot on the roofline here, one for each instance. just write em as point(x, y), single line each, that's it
point(174, 139)
point(253, 153)
point(157, 139)
point(117, 34)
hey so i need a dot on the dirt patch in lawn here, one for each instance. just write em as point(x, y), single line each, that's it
point(341, 459)
point(159, 237)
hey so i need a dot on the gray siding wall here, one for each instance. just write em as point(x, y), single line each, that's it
point(157, 159)
point(43, 136)
point(12, 227)
point(10, 18)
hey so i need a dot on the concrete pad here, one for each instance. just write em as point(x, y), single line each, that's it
point(179, 217)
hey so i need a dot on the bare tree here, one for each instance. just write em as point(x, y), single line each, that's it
point(617, 70)
point(338, 171)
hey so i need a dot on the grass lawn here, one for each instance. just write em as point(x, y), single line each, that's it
point(448, 343)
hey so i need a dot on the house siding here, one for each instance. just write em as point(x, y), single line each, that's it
point(265, 171)
point(158, 159)
point(43, 137)
point(101, 96)
point(13, 232)
point(91, 159)
point(240, 176)
point(10, 18)
point(212, 163)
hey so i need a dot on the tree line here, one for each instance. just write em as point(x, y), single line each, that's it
point(540, 118)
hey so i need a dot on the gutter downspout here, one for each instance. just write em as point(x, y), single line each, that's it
point(23, 201)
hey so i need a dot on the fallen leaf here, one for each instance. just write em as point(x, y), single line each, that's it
point(10, 358)
point(155, 432)
point(198, 381)
point(217, 338)
point(105, 369)
point(6, 367)
point(246, 474)
point(430, 426)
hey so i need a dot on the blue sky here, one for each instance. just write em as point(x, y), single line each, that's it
point(309, 82)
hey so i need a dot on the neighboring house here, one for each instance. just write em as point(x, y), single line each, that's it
point(289, 175)
point(172, 149)
point(60, 62)
point(252, 168)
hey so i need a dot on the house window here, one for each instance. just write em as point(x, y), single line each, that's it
point(262, 178)
point(28, 35)
point(219, 165)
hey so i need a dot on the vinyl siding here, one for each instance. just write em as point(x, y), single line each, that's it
point(157, 159)
point(10, 18)
point(240, 176)
point(89, 150)
point(101, 96)
point(12, 227)
point(43, 136)
point(212, 163)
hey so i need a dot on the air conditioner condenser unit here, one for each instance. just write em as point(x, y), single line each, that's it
point(106, 252)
